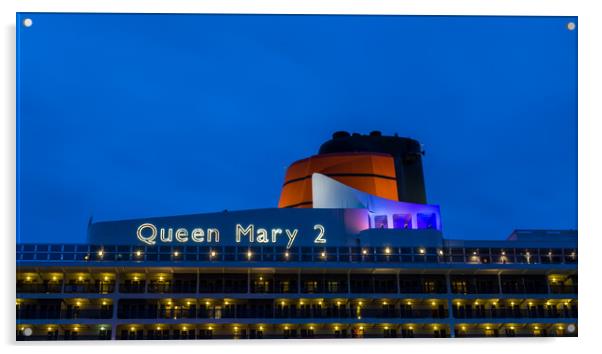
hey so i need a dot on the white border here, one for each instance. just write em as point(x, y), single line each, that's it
point(590, 177)
point(415, 7)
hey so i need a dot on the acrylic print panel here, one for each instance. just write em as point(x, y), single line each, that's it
point(426, 165)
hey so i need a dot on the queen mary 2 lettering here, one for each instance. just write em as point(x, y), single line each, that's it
point(149, 234)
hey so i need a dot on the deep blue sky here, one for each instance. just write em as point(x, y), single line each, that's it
point(124, 116)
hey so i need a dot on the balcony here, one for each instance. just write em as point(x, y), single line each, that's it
point(39, 288)
point(563, 289)
point(309, 285)
point(132, 288)
point(65, 314)
point(513, 313)
point(102, 288)
point(167, 288)
point(281, 313)
point(136, 254)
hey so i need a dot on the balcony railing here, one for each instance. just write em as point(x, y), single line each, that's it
point(65, 314)
point(174, 254)
point(281, 313)
point(277, 289)
point(242, 288)
point(563, 289)
point(172, 288)
point(105, 288)
point(524, 290)
point(132, 288)
point(39, 288)
point(513, 313)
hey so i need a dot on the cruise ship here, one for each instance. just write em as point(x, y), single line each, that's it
point(353, 250)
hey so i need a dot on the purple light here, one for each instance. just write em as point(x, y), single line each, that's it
point(404, 215)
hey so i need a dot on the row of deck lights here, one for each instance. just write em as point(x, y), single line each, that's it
point(287, 327)
point(323, 254)
point(213, 254)
point(236, 328)
point(52, 328)
point(54, 278)
point(387, 250)
point(512, 303)
point(338, 303)
point(302, 302)
point(512, 327)
point(139, 254)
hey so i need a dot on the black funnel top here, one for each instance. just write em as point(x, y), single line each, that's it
point(406, 152)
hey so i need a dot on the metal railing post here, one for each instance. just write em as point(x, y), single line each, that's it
point(450, 312)
point(115, 302)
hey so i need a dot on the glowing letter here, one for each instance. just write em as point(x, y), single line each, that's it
point(262, 236)
point(182, 235)
point(149, 240)
point(212, 232)
point(198, 235)
point(319, 239)
point(291, 237)
point(275, 233)
point(250, 230)
point(169, 236)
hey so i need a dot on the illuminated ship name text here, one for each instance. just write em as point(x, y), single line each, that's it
point(148, 234)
